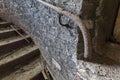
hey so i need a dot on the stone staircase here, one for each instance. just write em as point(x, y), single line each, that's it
point(19, 56)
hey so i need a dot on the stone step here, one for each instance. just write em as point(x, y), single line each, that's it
point(12, 43)
point(27, 72)
point(20, 56)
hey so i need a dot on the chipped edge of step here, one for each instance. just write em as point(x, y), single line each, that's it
point(8, 30)
point(2, 43)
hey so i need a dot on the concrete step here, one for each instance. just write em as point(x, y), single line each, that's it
point(38, 77)
point(8, 32)
point(5, 24)
point(26, 72)
point(1, 20)
point(44, 75)
point(12, 40)
point(20, 56)
point(12, 43)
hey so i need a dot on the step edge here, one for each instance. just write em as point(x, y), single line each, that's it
point(13, 40)
point(25, 53)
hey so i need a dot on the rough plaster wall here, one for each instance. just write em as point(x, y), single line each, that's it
point(58, 44)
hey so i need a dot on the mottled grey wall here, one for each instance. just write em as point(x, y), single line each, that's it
point(57, 43)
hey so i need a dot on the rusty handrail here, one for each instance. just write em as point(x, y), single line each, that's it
point(83, 28)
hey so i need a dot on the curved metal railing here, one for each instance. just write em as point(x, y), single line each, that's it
point(83, 28)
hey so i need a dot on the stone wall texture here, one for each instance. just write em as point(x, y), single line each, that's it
point(60, 45)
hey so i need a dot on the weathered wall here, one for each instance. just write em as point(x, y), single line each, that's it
point(58, 44)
